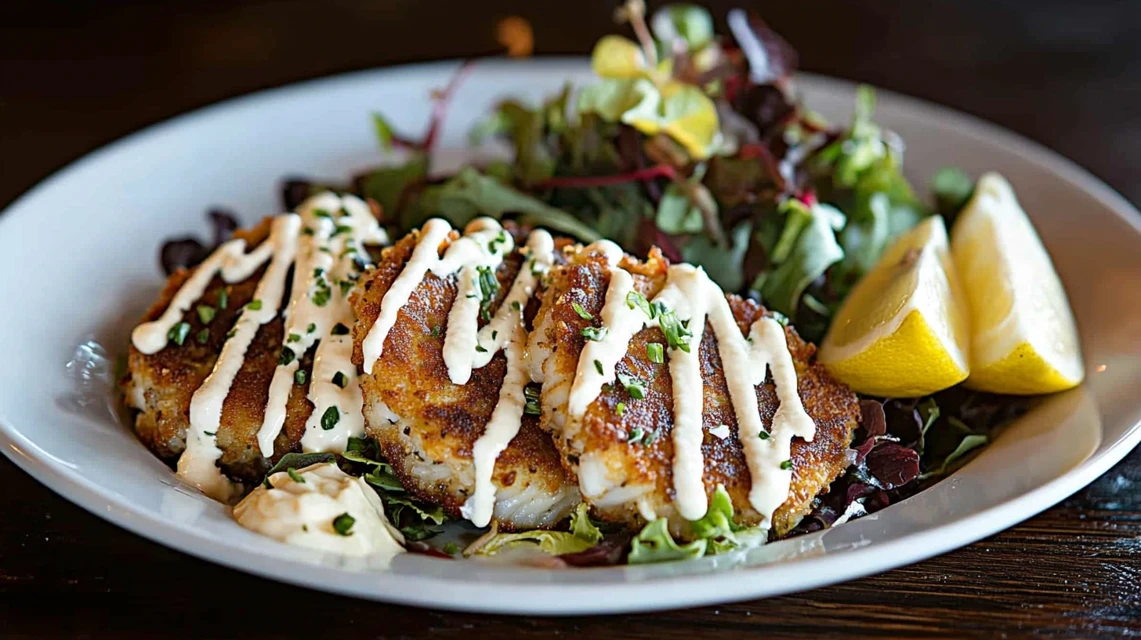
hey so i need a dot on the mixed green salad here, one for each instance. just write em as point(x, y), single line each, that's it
point(695, 143)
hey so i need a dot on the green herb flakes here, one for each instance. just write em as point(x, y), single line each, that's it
point(531, 393)
point(178, 333)
point(655, 352)
point(594, 333)
point(340, 379)
point(339, 330)
point(582, 313)
point(300, 376)
point(294, 476)
point(635, 387)
point(330, 418)
point(206, 313)
point(203, 336)
point(287, 356)
point(343, 524)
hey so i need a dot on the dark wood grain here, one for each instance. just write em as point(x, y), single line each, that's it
point(75, 76)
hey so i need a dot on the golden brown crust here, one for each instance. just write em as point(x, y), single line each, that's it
point(605, 435)
point(440, 421)
point(169, 378)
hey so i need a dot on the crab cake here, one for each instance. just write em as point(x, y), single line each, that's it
point(201, 310)
point(429, 419)
point(621, 448)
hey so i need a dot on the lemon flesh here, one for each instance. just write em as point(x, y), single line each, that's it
point(902, 332)
point(1023, 338)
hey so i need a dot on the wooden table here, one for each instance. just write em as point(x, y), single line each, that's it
point(71, 79)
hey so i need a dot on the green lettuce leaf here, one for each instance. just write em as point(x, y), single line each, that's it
point(582, 527)
point(806, 249)
point(655, 544)
point(715, 532)
point(954, 460)
point(296, 461)
point(555, 543)
point(417, 520)
point(952, 188)
point(387, 185)
point(582, 536)
point(470, 194)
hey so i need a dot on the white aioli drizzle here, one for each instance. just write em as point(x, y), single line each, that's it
point(467, 347)
point(327, 247)
point(693, 297)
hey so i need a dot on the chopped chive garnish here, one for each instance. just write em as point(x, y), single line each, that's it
point(489, 289)
point(635, 387)
point(294, 476)
point(206, 313)
point(641, 436)
point(318, 273)
point(340, 330)
point(494, 245)
point(223, 299)
point(620, 409)
point(479, 348)
point(582, 313)
point(300, 376)
point(516, 306)
point(656, 352)
point(330, 418)
point(341, 228)
point(677, 333)
point(436, 331)
point(764, 435)
point(494, 335)
point(321, 213)
point(321, 295)
point(598, 367)
point(210, 434)
point(531, 393)
point(343, 524)
point(635, 300)
point(311, 328)
point(231, 333)
point(594, 333)
point(178, 333)
point(346, 287)
point(451, 548)
point(287, 356)
point(786, 465)
point(340, 379)
point(254, 305)
point(293, 337)
point(203, 336)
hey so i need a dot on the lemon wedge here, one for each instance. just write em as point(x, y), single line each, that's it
point(903, 331)
point(1023, 339)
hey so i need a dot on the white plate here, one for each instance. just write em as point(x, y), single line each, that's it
point(78, 258)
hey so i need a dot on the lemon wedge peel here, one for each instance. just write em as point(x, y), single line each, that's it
point(1024, 337)
point(903, 331)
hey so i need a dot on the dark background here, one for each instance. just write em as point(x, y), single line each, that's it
point(74, 76)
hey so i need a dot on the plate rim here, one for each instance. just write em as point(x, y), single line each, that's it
point(713, 587)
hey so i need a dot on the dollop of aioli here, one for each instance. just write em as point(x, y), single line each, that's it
point(302, 509)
